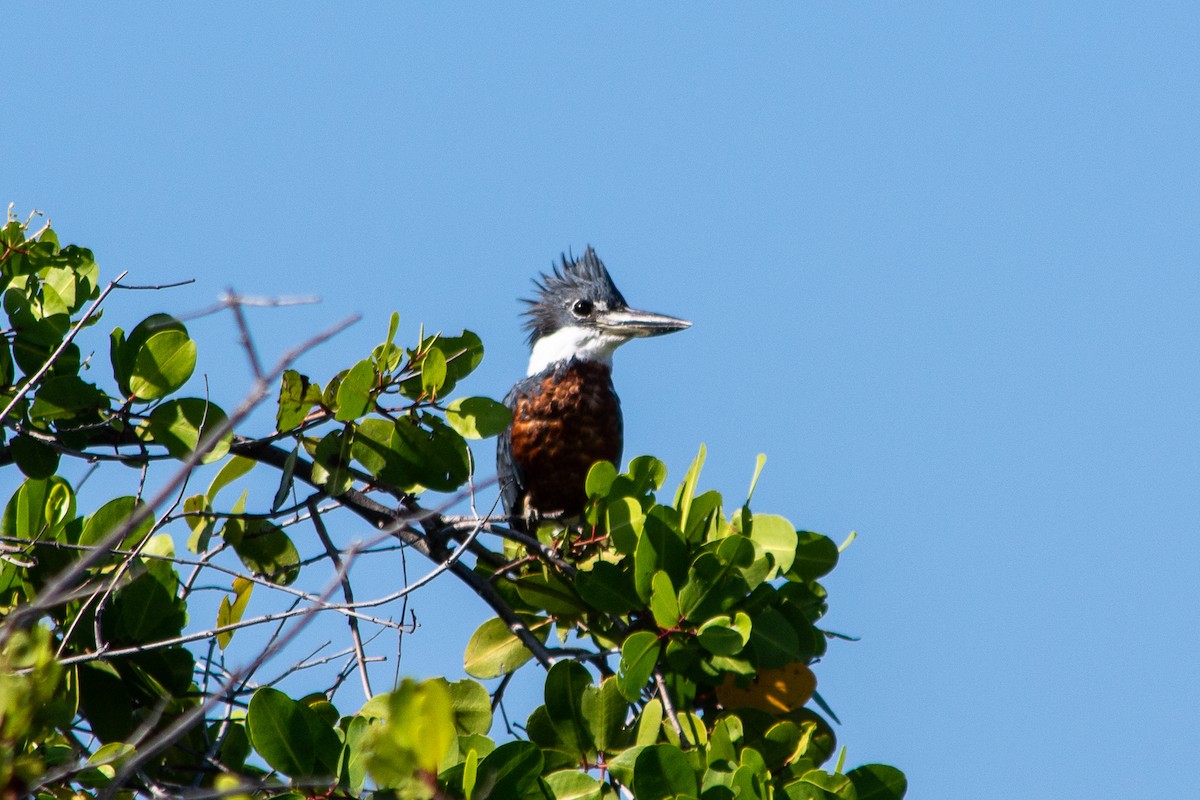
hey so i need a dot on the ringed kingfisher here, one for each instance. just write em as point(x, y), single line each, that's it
point(565, 414)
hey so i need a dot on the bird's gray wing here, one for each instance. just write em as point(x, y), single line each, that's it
point(508, 472)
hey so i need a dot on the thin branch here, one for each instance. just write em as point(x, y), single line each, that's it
point(669, 707)
point(348, 592)
point(197, 713)
point(157, 286)
point(52, 593)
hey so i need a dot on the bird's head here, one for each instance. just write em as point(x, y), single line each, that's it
point(580, 313)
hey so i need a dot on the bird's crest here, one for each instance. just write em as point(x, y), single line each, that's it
point(575, 278)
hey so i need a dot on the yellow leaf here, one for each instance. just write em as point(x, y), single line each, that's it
point(775, 691)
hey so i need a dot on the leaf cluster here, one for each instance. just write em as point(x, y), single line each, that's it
point(678, 638)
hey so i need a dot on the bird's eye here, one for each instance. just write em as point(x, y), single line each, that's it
point(582, 308)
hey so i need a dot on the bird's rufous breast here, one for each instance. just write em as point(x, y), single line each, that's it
point(564, 424)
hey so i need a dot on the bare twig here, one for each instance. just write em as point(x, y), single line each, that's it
point(197, 712)
point(669, 707)
point(61, 584)
point(157, 286)
point(348, 592)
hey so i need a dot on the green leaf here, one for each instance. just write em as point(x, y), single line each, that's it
point(508, 771)
point(180, 425)
point(286, 476)
point(548, 592)
point(649, 723)
point(231, 613)
point(687, 489)
point(34, 458)
point(605, 710)
point(144, 611)
point(878, 782)
point(105, 702)
point(433, 371)
point(202, 525)
point(472, 707)
point(660, 547)
point(416, 733)
point(564, 688)
point(600, 479)
point(606, 587)
point(713, 586)
point(661, 772)
point(7, 368)
point(233, 469)
point(290, 737)
point(353, 766)
point(354, 392)
point(478, 417)
point(777, 536)
point(431, 454)
point(124, 350)
point(64, 397)
point(624, 522)
point(463, 354)
point(639, 656)
point(646, 474)
point(38, 509)
point(297, 396)
point(664, 604)
point(816, 556)
point(759, 463)
point(163, 364)
point(331, 461)
point(774, 639)
point(494, 650)
point(571, 784)
point(264, 548)
point(835, 785)
point(113, 514)
point(725, 636)
point(705, 521)
point(387, 355)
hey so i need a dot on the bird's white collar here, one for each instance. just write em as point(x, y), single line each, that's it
point(574, 341)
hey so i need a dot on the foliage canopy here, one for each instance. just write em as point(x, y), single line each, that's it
point(677, 636)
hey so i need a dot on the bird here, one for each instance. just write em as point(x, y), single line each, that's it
point(566, 415)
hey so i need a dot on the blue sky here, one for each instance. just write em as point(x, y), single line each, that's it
point(942, 261)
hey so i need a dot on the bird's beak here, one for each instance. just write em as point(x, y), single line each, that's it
point(632, 323)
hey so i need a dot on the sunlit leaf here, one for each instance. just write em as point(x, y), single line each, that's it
point(416, 732)
point(494, 650)
point(664, 604)
point(180, 425)
point(433, 371)
point(478, 417)
point(231, 470)
point(639, 656)
point(163, 364)
point(297, 396)
point(231, 613)
point(777, 536)
point(354, 392)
